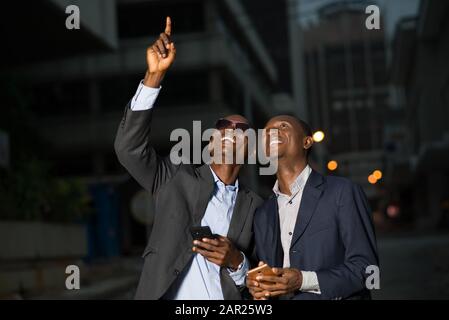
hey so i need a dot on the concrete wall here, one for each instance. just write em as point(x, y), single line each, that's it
point(32, 240)
point(22, 279)
point(34, 255)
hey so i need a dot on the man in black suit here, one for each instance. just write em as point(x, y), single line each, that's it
point(175, 266)
point(316, 231)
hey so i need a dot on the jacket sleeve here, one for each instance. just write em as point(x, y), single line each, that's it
point(357, 233)
point(134, 151)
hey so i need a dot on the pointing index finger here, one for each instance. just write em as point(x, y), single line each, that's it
point(168, 26)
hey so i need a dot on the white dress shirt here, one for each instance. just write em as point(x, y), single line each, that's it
point(200, 280)
point(144, 97)
point(288, 214)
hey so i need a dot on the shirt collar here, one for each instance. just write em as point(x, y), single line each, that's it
point(218, 182)
point(299, 182)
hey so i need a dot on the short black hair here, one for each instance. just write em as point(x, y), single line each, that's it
point(305, 127)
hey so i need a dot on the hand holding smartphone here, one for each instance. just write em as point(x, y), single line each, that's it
point(198, 233)
point(263, 270)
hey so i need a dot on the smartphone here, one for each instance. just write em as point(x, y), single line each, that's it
point(264, 270)
point(199, 233)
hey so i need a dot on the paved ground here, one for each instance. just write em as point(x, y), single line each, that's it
point(414, 267)
point(116, 279)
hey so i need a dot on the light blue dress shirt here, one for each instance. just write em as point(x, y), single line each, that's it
point(200, 280)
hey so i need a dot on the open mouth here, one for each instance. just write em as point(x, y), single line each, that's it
point(229, 139)
point(275, 142)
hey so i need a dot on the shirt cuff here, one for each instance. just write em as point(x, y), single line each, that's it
point(144, 98)
point(310, 282)
point(239, 275)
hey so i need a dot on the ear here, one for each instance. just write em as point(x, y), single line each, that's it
point(308, 142)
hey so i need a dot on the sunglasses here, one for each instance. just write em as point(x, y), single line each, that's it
point(228, 124)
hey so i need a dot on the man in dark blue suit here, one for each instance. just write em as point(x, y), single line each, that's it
point(315, 231)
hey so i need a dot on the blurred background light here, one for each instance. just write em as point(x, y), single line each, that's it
point(318, 136)
point(332, 165)
point(372, 179)
point(377, 174)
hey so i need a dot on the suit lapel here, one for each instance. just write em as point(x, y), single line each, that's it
point(241, 208)
point(206, 189)
point(241, 211)
point(310, 197)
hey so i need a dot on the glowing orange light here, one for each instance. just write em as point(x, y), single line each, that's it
point(377, 174)
point(372, 179)
point(332, 165)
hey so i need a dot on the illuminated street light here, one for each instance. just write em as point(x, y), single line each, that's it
point(377, 174)
point(318, 136)
point(332, 165)
point(372, 179)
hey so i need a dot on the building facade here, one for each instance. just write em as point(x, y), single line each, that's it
point(347, 90)
point(420, 74)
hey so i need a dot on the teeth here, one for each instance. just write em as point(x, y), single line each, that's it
point(227, 139)
point(275, 142)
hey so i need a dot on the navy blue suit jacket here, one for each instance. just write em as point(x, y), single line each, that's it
point(333, 236)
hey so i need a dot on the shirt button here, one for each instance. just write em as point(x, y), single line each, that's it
point(290, 233)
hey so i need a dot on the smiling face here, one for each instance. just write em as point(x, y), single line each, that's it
point(230, 139)
point(285, 137)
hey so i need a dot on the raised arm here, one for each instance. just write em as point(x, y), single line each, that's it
point(160, 57)
point(132, 143)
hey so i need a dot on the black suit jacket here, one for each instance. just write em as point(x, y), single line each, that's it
point(333, 236)
point(181, 194)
